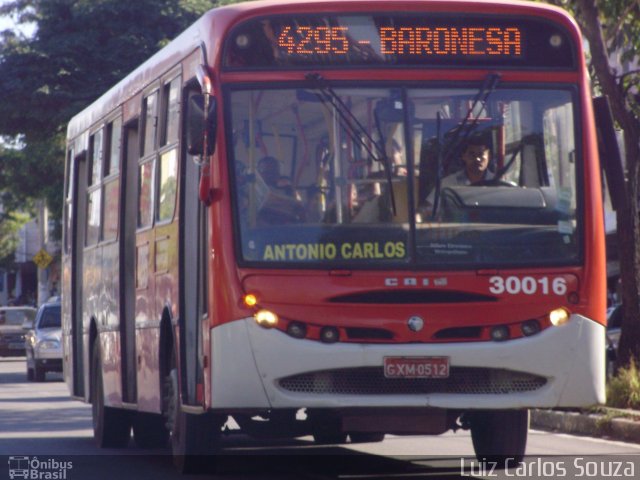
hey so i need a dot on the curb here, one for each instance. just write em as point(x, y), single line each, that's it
point(593, 425)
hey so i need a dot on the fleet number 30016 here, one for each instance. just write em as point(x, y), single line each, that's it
point(528, 285)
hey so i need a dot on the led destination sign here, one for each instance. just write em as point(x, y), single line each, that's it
point(414, 41)
point(397, 40)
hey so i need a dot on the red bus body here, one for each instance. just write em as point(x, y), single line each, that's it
point(170, 294)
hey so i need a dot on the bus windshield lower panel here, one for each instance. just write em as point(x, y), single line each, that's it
point(386, 177)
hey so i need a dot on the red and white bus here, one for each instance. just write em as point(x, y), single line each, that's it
point(261, 223)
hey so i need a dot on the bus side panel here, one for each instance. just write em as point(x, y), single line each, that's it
point(595, 295)
point(164, 264)
point(92, 314)
point(89, 293)
point(149, 398)
point(147, 332)
point(108, 313)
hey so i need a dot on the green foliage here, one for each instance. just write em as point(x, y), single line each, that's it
point(34, 170)
point(80, 48)
point(623, 390)
point(9, 227)
point(621, 26)
point(620, 23)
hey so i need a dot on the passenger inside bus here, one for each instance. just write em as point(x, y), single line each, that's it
point(278, 202)
point(397, 160)
point(367, 207)
point(269, 170)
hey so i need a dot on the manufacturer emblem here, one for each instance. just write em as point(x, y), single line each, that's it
point(415, 324)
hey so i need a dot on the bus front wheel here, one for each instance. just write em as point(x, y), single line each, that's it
point(500, 435)
point(193, 436)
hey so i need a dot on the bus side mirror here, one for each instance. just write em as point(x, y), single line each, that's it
point(201, 125)
point(609, 151)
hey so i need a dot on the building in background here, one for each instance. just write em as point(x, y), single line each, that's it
point(35, 274)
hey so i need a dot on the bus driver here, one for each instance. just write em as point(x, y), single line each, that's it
point(475, 157)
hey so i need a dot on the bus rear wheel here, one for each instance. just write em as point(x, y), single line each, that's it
point(500, 436)
point(111, 426)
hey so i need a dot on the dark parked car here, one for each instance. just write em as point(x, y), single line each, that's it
point(614, 323)
point(12, 332)
point(43, 343)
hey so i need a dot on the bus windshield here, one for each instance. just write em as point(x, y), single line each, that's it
point(382, 176)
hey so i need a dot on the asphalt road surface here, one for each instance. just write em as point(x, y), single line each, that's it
point(45, 431)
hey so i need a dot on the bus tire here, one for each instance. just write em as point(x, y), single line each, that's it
point(150, 430)
point(111, 426)
point(193, 437)
point(366, 437)
point(500, 435)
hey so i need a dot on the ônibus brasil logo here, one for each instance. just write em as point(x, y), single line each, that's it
point(36, 469)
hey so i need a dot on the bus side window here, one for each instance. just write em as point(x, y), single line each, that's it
point(68, 199)
point(111, 182)
point(94, 192)
point(171, 112)
point(150, 125)
point(168, 161)
point(168, 184)
point(146, 166)
point(145, 193)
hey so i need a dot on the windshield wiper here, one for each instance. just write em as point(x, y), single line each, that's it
point(488, 86)
point(436, 195)
point(354, 128)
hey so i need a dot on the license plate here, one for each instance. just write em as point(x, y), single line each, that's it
point(16, 346)
point(416, 367)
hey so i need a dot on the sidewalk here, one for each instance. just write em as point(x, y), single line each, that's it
point(604, 422)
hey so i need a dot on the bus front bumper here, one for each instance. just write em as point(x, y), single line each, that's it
point(259, 368)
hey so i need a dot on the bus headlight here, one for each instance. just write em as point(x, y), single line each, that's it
point(266, 318)
point(559, 316)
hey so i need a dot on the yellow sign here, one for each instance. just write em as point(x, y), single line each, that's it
point(42, 259)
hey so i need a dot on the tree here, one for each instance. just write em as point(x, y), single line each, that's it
point(79, 49)
point(10, 225)
point(613, 27)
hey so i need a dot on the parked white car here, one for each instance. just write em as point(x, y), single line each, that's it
point(43, 343)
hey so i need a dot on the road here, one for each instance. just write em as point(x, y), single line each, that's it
point(39, 421)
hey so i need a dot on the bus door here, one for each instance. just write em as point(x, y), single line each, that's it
point(193, 278)
point(78, 219)
point(146, 316)
point(128, 261)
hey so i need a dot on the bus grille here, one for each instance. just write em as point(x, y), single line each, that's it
point(371, 381)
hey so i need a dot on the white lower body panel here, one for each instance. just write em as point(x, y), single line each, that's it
point(248, 361)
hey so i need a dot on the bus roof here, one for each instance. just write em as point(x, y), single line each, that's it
point(212, 27)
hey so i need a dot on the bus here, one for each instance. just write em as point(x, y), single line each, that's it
point(272, 220)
